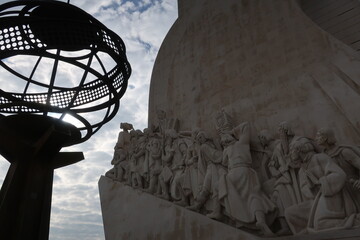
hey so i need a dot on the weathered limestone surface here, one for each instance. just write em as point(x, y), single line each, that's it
point(263, 62)
point(132, 214)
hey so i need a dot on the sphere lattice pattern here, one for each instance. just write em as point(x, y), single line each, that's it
point(52, 35)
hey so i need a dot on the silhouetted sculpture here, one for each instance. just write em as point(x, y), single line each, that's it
point(121, 159)
point(30, 139)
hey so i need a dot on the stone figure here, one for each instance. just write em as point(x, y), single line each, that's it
point(133, 179)
point(240, 189)
point(347, 157)
point(286, 189)
point(209, 166)
point(166, 174)
point(138, 159)
point(154, 164)
point(268, 144)
point(309, 191)
point(327, 203)
point(120, 158)
point(111, 173)
point(223, 122)
point(178, 167)
point(124, 135)
point(148, 135)
point(188, 185)
point(164, 123)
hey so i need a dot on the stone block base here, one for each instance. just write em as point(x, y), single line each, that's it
point(131, 214)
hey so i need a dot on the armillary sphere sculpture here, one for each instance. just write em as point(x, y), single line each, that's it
point(78, 66)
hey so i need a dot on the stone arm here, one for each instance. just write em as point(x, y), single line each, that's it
point(305, 186)
point(119, 156)
point(139, 153)
point(284, 169)
point(210, 153)
point(191, 161)
point(191, 158)
point(156, 154)
point(114, 160)
point(120, 159)
point(242, 132)
point(351, 157)
point(284, 164)
point(185, 133)
point(217, 159)
point(179, 165)
point(225, 159)
point(334, 179)
point(216, 156)
point(146, 165)
point(123, 139)
point(265, 159)
point(273, 168)
point(168, 156)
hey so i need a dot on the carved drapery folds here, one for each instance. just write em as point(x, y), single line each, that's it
point(281, 185)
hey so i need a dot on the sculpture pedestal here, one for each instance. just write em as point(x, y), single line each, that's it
point(132, 214)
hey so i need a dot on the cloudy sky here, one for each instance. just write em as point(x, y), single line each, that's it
point(142, 24)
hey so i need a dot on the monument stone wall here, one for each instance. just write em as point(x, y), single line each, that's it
point(254, 128)
point(262, 61)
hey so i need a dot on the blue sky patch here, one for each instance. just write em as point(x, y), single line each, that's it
point(140, 6)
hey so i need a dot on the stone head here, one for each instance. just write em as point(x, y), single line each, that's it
point(139, 132)
point(182, 146)
point(133, 134)
point(325, 136)
point(201, 137)
point(227, 139)
point(126, 126)
point(147, 131)
point(300, 149)
point(284, 128)
point(194, 132)
point(161, 114)
point(155, 143)
point(265, 137)
point(171, 133)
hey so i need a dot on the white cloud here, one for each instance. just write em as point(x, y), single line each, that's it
point(142, 24)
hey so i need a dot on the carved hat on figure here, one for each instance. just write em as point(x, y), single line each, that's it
point(224, 122)
point(126, 126)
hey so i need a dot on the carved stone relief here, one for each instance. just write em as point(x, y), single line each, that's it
point(301, 185)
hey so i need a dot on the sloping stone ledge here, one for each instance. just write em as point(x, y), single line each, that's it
point(130, 214)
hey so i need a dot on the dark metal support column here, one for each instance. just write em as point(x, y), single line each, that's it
point(25, 197)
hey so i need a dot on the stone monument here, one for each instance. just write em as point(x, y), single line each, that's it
point(253, 127)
